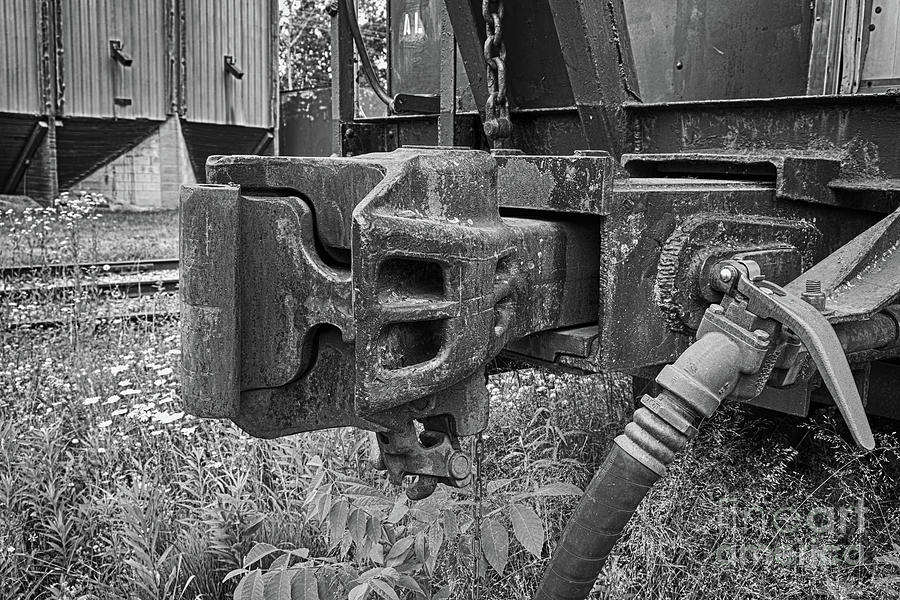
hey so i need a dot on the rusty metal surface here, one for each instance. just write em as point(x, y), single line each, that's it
point(796, 177)
point(440, 282)
point(411, 269)
point(859, 130)
point(593, 38)
point(647, 214)
point(567, 184)
point(860, 278)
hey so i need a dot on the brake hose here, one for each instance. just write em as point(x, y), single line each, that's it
point(364, 60)
point(693, 387)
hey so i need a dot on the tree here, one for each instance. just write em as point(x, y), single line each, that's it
point(305, 40)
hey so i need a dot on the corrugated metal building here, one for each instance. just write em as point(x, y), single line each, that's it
point(130, 97)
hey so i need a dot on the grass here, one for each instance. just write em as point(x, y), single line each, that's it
point(58, 233)
point(108, 490)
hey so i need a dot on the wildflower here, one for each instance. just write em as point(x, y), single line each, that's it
point(188, 430)
point(115, 370)
point(165, 418)
point(101, 450)
point(156, 432)
point(104, 424)
point(164, 372)
point(130, 392)
point(113, 399)
point(91, 400)
point(125, 383)
point(119, 411)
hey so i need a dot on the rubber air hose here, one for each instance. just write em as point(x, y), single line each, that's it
point(693, 387)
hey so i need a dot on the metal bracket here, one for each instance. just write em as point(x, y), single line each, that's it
point(117, 52)
point(231, 67)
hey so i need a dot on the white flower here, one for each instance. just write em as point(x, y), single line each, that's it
point(130, 392)
point(118, 369)
point(91, 400)
point(164, 372)
point(166, 418)
point(119, 411)
point(125, 383)
point(113, 399)
point(157, 432)
point(103, 424)
point(101, 450)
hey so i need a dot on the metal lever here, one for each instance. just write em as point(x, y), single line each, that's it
point(769, 301)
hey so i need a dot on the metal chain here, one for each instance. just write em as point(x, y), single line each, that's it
point(497, 125)
point(476, 538)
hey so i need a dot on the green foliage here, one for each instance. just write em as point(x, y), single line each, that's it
point(108, 490)
point(304, 49)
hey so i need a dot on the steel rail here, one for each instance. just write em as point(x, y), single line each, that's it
point(99, 322)
point(128, 266)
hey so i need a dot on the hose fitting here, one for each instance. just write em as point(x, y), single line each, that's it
point(693, 387)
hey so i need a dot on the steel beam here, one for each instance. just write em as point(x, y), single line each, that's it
point(35, 138)
point(594, 40)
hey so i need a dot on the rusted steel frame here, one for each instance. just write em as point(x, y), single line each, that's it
point(549, 131)
point(468, 28)
point(342, 90)
point(447, 116)
point(864, 137)
point(861, 277)
point(594, 40)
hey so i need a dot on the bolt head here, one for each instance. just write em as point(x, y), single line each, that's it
point(726, 274)
point(459, 465)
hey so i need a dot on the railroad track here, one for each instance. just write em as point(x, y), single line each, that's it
point(129, 279)
point(97, 324)
point(61, 270)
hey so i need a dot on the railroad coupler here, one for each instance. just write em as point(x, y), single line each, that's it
point(370, 292)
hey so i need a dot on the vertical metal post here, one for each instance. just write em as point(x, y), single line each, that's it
point(447, 116)
point(41, 181)
point(341, 74)
point(275, 96)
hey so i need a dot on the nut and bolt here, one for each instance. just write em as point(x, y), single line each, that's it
point(762, 336)
point(726, 275)
point(459, 465)
point(813, 294)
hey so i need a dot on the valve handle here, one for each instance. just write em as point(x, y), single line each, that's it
point(769, 301)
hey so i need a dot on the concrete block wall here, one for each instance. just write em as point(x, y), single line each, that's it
point(150, 175)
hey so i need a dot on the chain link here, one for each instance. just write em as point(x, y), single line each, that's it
point(476, 538)
point(497, 125)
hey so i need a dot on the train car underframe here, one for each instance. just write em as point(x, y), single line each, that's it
point(727, 249)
